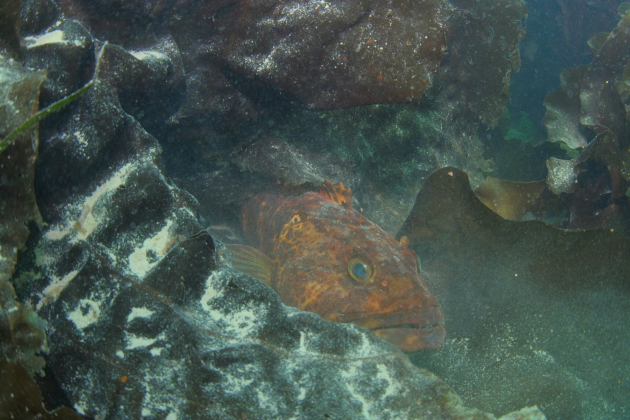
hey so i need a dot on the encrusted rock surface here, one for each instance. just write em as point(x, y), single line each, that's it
point(323, 54)
point(340, 54)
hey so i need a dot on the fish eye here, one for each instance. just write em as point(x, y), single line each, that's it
point(297, 218)
point(359, 269)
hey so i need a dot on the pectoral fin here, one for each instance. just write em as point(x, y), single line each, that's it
point(251, 262)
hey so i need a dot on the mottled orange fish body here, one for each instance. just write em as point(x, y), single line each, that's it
point(329, 259)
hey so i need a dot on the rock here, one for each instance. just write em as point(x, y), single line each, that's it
point(58, 52)
point(482, 53)
point(340, 55)
point(288, 165)
point(325, 55)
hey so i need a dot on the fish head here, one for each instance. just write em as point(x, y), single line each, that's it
point(336, 263)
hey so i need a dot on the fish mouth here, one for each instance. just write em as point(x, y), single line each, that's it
point(409, 331)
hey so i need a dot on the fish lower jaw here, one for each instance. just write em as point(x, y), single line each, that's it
point(413, 337)
point(437, 324)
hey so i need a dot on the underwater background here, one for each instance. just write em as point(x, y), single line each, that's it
point(490, 137)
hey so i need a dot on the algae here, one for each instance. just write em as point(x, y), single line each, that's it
point(60, 104)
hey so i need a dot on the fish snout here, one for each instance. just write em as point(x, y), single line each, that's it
point(408, 330)
point(432, 302)
point(422, 330)
point(426, 305)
